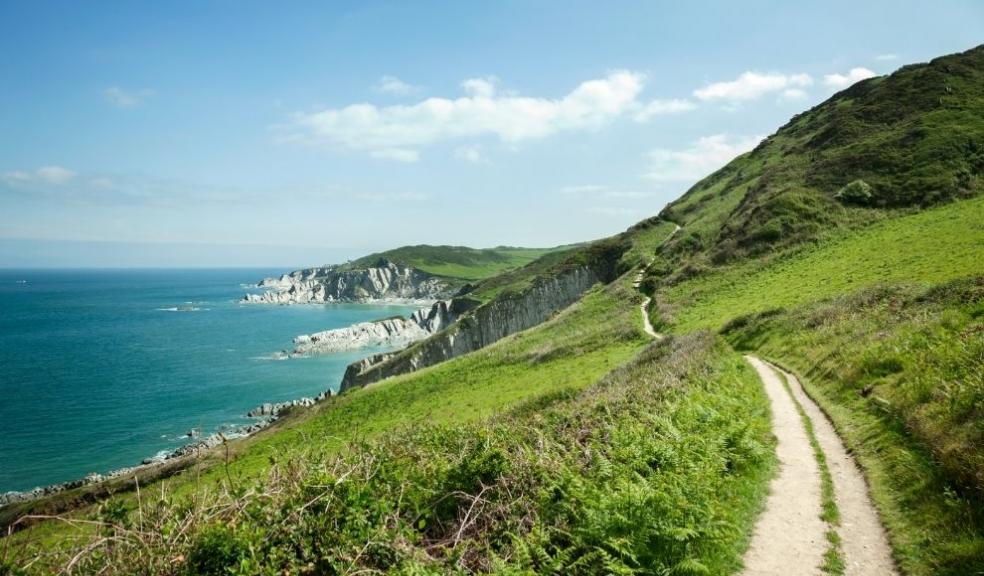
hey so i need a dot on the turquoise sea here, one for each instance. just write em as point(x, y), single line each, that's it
point(100, 369)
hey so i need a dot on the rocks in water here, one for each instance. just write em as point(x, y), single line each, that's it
point(390, 332)
point(384, 281)
point(268, 409)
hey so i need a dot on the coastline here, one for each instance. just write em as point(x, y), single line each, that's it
point(265, 414)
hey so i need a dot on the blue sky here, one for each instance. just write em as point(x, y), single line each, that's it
point(287, 134)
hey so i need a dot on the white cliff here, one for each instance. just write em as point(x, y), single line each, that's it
point(385, 280)
point(390, 332)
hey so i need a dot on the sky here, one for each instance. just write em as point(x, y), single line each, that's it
point(243, 133)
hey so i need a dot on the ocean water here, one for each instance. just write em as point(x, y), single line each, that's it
point(101, 369)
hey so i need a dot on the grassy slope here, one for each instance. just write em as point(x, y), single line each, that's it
point(457, 262)
point(918, 359)
point(766, 233)
point(658, 468)
point(570, 351)
point(900, 370)
point(931, 246)
point(917, 137)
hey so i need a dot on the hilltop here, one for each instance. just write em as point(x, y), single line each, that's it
point(455, 262)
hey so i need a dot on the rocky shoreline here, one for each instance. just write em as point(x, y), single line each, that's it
point(389, 332)
point(266, 414)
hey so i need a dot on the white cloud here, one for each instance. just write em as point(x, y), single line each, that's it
point(472, 153)
point(55, 175)
point(480, 87)
point(126, 99)
point(793, 95)
point(399, 131)
point(395, 86)
point(16, 177)
point(886, 57)
point(698, 160)
point(752, 85)
point(661, 107)
point(839, 81)
point(50, 175)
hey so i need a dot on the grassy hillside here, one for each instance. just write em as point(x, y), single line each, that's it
point(872, 297)
point(574, 482)
point(900, 369)
point(916, 138)
point(570, 351)
point(458, 262)
point(926, 247)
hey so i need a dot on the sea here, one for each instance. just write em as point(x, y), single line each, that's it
point(100, 369)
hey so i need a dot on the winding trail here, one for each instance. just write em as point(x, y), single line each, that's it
point(644, 307)
point(790, 536)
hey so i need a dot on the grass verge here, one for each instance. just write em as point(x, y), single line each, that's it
point(833, 562)
point(927, 247)
point(900, 371)
point(658, 468)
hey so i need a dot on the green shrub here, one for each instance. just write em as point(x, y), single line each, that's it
point(217, 551)
point(857, 192)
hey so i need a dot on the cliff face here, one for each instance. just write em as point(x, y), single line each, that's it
point(479, 328)
point(386, 280)
point(389, 332)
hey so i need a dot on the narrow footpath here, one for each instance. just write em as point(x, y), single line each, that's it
point(790, 536)
point(644, 307)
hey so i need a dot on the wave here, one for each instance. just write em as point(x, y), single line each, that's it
point(274, 356)
point(183, 309)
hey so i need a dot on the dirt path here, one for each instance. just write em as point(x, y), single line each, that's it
point(646, 324)
point(644, 308)
point(789, 538)
point(864, 544)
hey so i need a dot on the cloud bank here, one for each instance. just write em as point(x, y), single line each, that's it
point(841, 81)
point(399, 132)
point(751, 86)
point(699, 159)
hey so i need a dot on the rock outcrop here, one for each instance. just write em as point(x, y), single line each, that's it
point(479, 328)
point(385, 280)
point(390, 332)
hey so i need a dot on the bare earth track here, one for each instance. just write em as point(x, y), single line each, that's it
point(789, 538)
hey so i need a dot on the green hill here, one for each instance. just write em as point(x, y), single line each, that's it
point(916, 138)
point(582, 446)
point(457, 262)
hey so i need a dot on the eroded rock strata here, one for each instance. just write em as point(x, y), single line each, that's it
point(385, 280)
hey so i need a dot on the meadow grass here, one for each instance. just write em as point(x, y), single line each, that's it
point(927, 247)
point(900, 371)
point(457, 262)
point(571, 350)
point(659, 467)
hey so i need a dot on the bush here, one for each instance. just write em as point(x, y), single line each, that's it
point(857, 192)
point(217, 550)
